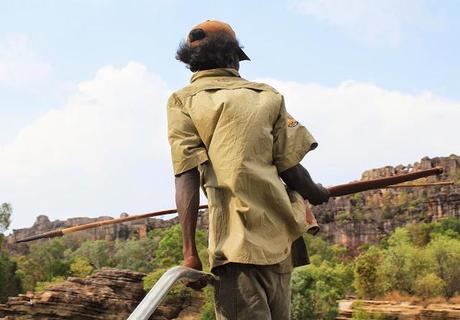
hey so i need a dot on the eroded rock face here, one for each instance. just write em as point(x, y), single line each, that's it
point(109, 294)
point(399, 311)
point(368, 216)
point(133, 229)
point(350, 220)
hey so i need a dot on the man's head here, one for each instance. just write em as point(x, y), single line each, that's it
point(211, 44)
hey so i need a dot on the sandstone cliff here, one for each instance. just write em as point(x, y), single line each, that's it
point(132, 229)
point(397, 311)
point(109, 294)
point(368, 216)
point(350, 220)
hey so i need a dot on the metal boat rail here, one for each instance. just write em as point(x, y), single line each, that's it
point(159, 291)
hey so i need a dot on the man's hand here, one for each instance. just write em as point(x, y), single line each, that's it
point(318, 195)
point(297, 178)
point(187, 201)
point(194, 262)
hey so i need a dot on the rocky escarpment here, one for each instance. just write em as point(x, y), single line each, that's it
point(132, 229)
point(372, 309)
point(350, 220)
point(368, 216)
point(109, 294)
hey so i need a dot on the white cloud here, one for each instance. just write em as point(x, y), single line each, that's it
point(379, 21)
point(105, 151)
point(361, 126)
point(19, 65)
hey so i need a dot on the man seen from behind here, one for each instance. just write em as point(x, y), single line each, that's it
point(235, 139)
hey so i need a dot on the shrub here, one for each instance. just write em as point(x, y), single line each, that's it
point(99, 253)
point(429, 285)
point(81, 267)
point(42, 285)
point(445, 254)
point(369, 280)
point(10, 281)
point(135, 255)
point(316, 289)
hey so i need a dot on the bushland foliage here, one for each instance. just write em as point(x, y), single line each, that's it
point(420, 259)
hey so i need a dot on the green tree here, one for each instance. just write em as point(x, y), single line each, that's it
point(316, 289)
point(99, 253)
point(429, 285)
point(399, 237)
point(445, 254)
point(135, 255)
point(5, 216)
point(46, 261)
point(169, 250)
point(10, 283)
point(318, 247)
point(26, 272)
point(369, 280)
point(420, 233)
point(81, 267)
point(449, 227)
point(403, 263)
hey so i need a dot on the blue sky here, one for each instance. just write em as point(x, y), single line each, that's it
point(327, 55)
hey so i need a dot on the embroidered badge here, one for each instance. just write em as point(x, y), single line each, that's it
point(292, 123)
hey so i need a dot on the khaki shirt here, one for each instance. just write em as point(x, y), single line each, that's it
point(240, 137)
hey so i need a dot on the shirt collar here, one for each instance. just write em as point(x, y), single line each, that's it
point(220, 72)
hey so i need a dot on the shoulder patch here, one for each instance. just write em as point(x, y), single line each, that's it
point(291, 123)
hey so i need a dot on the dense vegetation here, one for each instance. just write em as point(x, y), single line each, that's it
point(421, 260)
point(10, 283)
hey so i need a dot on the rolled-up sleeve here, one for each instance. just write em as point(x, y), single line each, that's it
point(187, 148)
point(291, 141)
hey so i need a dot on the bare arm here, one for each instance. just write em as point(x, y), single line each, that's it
point(297, 178)
point(187, 201)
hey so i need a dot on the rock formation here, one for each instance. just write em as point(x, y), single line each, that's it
point(132, 229)
point(368, 216)
point(350, 220)
point(398, 311)
point(109, 294)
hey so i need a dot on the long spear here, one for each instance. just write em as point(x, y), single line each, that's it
point(336, 191)
point(419, 185)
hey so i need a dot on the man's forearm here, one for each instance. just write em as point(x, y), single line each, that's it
point(297, 178)
point(187, 201)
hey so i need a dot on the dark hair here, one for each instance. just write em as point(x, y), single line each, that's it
point(217, 51)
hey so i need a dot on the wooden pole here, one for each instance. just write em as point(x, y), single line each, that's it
point(420, 185)
point(336, 191)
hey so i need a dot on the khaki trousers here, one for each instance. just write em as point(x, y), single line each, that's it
point(252, 292)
